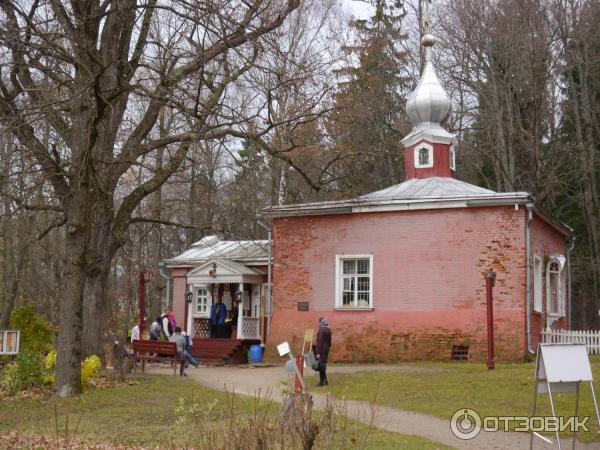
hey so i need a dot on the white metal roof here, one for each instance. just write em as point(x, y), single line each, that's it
point(438, 187)
point(416, 193)
point(211, 247)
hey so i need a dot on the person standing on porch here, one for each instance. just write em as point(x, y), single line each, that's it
point(218, 313)
point(322, 349)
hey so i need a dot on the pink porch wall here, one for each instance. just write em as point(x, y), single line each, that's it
point(179, 289)
point(429, 290)
point(545, 240)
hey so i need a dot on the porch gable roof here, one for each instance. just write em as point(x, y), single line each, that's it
point(219, 271)
point(211, 247)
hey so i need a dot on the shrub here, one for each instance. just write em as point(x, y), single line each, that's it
point(29, 369)
point(36, 333)
point(50, 360)
point(89, 368)
point(9, 382)
point(26, 372)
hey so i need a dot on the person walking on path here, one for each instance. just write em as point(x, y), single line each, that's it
point(180, 341)
point(322, 349)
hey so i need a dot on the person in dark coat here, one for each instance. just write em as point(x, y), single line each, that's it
point(322, 349)
point(218, 313)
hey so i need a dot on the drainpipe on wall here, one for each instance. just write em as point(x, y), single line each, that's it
point(528, 275)
point(269, 277)
point(162, 266)
point(569, 293)
point(270, 281)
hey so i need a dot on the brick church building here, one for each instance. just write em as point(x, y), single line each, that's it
point(399, 272)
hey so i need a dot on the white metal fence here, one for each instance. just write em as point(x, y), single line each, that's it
point(591, 339)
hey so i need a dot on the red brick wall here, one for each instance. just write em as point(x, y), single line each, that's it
point(429, 289)
point(545, 241)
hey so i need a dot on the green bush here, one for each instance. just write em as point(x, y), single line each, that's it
point(26, 372)
point(36, 333)
point(29, 369)
point(9, 379)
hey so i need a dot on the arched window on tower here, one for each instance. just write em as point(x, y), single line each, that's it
point(452, 157)
point(423, 156)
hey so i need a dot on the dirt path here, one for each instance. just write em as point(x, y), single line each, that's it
point(266, 381)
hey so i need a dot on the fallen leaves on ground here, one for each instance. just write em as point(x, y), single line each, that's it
point(36, 441)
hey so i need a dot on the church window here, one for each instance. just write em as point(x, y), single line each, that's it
point(423, 156)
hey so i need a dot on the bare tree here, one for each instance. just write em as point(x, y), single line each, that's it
point(79, 67)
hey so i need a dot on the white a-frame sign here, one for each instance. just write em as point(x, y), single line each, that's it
point(561, 368)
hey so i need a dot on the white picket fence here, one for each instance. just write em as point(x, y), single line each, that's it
point(591, 339)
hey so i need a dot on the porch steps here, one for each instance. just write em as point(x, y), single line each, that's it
point(218, 351)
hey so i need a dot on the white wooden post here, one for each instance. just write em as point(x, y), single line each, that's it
point(190, 321)
point(240, 332)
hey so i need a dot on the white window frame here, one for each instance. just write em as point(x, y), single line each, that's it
point(197, 301)
point(560, 294)
point(417, 149)
point(538, 297)
point(339, 259)
point(452, 157)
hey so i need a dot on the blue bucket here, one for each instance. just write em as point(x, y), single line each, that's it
point(256, 354)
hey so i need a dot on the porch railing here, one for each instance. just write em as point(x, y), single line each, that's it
point(201, 328)
point(249, 328)
point(591, 339)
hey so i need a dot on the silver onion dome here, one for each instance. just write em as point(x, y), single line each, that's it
point(429, 102)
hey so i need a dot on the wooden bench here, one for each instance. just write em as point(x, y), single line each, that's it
point(157, 351)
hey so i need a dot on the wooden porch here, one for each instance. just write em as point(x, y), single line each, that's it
point(246, 328)
point(243, 292)
point(221, 351)
point(229, 350)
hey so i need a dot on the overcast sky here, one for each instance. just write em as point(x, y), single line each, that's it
point(358, 8)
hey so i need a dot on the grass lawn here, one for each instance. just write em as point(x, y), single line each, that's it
point(145, 414)
point(440, 389)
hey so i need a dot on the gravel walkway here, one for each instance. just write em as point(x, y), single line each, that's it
point(266, 381)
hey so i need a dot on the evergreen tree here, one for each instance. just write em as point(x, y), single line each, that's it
point(370, 104)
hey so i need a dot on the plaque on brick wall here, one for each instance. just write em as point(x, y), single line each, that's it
point(302, 306)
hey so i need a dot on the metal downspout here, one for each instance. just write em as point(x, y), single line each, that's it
point(269, 276)
point(528, 275)
point(162, 266)
point(569, 292)
point(270, 281)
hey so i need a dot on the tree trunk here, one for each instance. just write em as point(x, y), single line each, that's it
point(94, 304)
point(6, 299)
point(68, 361)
